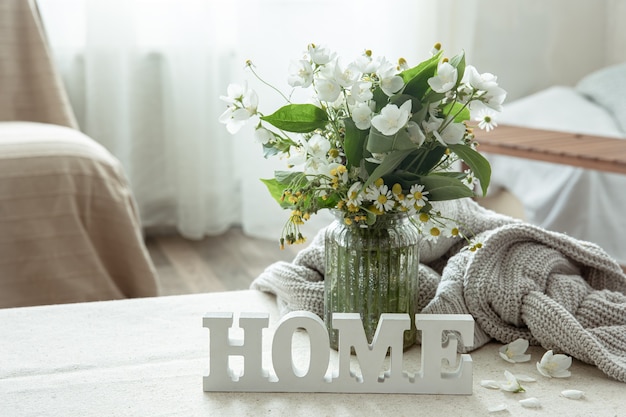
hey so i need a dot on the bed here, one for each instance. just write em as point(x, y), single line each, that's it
point(69, 227)
point(585, 203)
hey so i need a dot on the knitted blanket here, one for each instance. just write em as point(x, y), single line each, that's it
point(549, 288)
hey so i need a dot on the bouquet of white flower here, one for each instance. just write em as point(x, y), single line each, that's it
point(376, 138)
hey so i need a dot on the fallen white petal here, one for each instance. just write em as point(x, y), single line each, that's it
point(496, 408)
point(525, 378)
point(531, 402)
point(572, 394)
point(490, 383)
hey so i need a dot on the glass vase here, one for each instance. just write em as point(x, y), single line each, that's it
point(370, 270)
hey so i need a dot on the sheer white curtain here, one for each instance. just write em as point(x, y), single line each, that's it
point(534, 44)
point(144, 77)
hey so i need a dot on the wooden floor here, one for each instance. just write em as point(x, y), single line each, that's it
point(221, 263)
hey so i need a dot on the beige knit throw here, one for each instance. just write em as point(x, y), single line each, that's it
point(549, 288)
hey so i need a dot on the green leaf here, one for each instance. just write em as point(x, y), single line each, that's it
point(443, 187)
point(410, 73)
point(276, 190)
point(379, 143)
point(298, 118)
point(416, 78)
point(380, 98)
point(424, 159)
point(477, 163)
point(354, 143)
point(390, 163)
point(461, 112)
point(290, 178)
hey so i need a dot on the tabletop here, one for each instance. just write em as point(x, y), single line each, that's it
point(148, 356)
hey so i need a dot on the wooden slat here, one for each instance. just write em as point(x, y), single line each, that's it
point(586, 151)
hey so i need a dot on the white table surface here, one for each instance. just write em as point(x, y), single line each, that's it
point(147, 357)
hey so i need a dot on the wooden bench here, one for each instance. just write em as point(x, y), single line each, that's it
point(586, 151)
point(599, 153)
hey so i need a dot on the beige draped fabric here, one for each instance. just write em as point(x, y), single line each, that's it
point(30, 87)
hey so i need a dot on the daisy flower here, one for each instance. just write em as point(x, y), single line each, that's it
point(486, 119)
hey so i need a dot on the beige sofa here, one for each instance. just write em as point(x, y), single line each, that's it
point(69, 227)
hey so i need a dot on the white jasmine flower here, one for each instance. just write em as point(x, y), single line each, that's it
point(402, 64)
point(362, 115)
point(327, 89)
point(243, 103)
point(486, 119)
point(554, 366)
point(366, 64)
point(451, 134)
point(511, 384)
point(515, 351)
point(234, 119)
point(493, 96)
point(390, 81)
point(392, 118)
point(346, 77)
point(320, 54)
point(572, 394)
point(362, 91)
point(531, 402)
point(297, 156)
point(376, 158)
point(415, 133)
point(235, 93)
point(432, 124)
point(262, 135)
point(300, 74)
point(479, 81)
point(318, 146)
point(445, 79)
point(316, 166)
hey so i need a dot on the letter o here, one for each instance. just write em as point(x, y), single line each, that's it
point(319, 346)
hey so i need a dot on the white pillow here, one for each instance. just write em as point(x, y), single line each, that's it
point(607, 87)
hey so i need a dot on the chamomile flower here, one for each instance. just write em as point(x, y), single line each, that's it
point(417, 196)
point(470, 179)
point(355, 196)
point(486, 119)
point(383, 198)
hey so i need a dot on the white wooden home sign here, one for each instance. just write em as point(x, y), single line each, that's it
point(357, 366)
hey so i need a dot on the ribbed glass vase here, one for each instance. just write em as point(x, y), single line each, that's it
point(371, 270)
